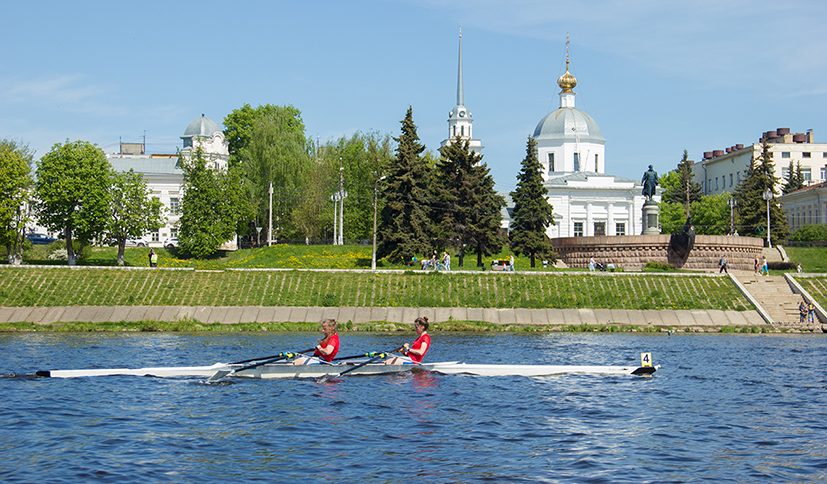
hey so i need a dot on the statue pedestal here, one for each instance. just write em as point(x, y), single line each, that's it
point(650, 218)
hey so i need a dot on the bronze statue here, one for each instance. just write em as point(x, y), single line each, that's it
point(682, 242)
point(650, 181)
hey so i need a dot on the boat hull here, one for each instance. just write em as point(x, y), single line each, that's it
point(282, 370)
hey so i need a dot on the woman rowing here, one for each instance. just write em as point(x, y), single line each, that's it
point(327, 347)
point(417, 350)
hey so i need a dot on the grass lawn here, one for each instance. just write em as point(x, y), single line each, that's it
point(277, 256)
point(812, 259)
point(62, 286)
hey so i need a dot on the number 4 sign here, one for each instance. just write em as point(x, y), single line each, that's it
point(646, 359)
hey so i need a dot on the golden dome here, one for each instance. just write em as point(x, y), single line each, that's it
point(567, 81)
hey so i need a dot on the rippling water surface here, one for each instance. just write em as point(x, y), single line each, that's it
point(723, 408)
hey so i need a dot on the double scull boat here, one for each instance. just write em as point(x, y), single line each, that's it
point(319, 369)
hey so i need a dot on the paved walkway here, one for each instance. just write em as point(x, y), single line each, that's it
point(260, 314)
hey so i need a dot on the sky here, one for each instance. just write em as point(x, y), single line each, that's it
point(659, 77)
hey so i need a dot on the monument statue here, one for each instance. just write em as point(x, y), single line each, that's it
point(682, 242)
point(650, 181)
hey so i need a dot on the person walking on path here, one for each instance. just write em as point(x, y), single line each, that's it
point(765, 268)
point(755, 267)
point(722, 263)
point(802, 311)
point(799, 268)
point(811, 312)
point(446, 260)
point(511, 263)
point(591, 264)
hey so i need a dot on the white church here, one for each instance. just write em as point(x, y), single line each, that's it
point(571, 149)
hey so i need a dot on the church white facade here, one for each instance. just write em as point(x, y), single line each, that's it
point(586, 201)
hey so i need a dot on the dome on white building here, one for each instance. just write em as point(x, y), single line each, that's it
point(568, 124)
point(203, 126)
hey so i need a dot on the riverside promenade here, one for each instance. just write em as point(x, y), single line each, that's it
point(698, 320)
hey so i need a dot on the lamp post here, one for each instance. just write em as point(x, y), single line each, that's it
point(768, 197)
point(342, 203)
point(732, 204)
point(375, 196)
point(270, 228)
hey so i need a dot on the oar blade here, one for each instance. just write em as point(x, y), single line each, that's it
point(218, 375)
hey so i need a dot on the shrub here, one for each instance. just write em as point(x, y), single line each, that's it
point(60, 245)
point(781, 266)
point(810, 232)
point(659, 266)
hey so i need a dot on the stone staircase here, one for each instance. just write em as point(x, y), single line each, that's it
point(774, 295)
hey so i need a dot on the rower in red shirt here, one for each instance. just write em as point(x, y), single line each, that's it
point(329, 345)
point(417, 350)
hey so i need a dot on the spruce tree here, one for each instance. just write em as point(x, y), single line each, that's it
point(532, 213)
point(467, 208)
point(406, 227)
point(794, 180)
point(752, 208)
point(687, 190)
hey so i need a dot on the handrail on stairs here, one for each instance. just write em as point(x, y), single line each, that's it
point(761, 311)
point(796, 287)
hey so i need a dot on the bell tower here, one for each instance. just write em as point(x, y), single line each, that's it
point(460, 121)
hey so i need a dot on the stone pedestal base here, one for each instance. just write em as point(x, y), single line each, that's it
point(650, 218)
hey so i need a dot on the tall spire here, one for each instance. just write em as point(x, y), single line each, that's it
point(567, 81)
point(460, 95)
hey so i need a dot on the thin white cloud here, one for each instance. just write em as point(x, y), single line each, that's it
point(715, 42)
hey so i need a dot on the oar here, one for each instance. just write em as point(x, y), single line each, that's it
point(360, 365)
point(368, 355)
point(283, 356)
point(271, 356)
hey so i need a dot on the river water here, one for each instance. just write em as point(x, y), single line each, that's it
point(722, 408)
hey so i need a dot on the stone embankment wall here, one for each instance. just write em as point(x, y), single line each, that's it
point(632, 252)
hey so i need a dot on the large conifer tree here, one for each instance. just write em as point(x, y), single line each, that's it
point(752, 208)
point(687, 191)
point(467, 208)
point(532, 213)
point(406, 227)
point(794, 180)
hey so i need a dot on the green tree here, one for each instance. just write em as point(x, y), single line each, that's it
point(672, 217)
point(72, 189)
point(752, 208)
point(406, 228)
point(213, 208)
point(685, 191)
point(15, 185)
point(365, 158)
point(794, 180)
point(532, 213)
point(466, 209)
point(710, 215)
point(272, 149)
point(132, 211)
point(239, 124)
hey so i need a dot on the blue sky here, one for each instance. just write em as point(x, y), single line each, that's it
point(658, 77)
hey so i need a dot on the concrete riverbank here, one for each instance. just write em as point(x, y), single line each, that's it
point(694, 320)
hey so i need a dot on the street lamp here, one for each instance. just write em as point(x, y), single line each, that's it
point(768, 197)
point(732, 204)
point(375, 196)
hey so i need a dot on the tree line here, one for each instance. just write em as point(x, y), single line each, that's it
point(426, 202)
point(716, 214)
